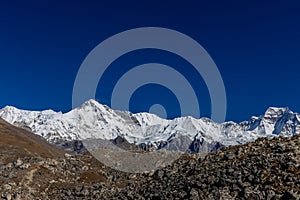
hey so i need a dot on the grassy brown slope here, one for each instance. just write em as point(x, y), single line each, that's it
point(16, 142)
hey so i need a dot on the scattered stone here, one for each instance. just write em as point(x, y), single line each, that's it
point(265, 169)
point(18, 162)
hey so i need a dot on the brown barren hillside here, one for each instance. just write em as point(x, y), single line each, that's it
point(16, 142)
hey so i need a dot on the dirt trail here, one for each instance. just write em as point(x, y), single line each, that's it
point(28, 179)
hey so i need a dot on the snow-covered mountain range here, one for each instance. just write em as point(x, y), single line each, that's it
point(93, 120)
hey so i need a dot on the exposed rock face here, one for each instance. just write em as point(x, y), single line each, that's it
point(123, 143)
point(75, 146)
point(199, 145)
point(264, 169)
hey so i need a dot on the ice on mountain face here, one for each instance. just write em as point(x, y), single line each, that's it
point(253, 123)
point(93, 120)
point(283, 121)
point(273, 113)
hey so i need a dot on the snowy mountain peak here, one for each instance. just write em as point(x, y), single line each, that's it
point(93, 120)
point(273, 112)
point(9, 108)
point(93, 105)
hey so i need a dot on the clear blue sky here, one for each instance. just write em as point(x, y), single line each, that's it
point(255, 45)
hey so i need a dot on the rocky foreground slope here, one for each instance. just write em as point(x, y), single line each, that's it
point(264, 169)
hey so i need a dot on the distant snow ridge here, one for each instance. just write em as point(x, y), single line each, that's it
point(93, 120)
